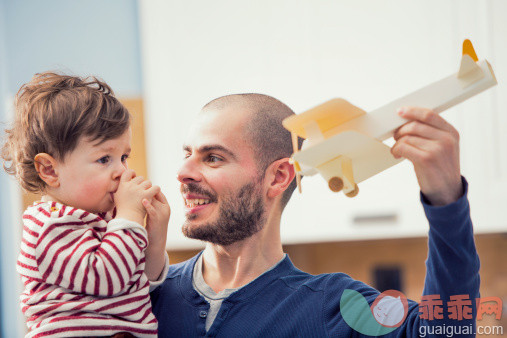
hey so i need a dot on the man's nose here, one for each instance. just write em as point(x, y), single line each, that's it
point(189, 172)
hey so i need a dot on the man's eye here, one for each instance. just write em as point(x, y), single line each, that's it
point(214, 159)
point(187, 155)
point(103, 160)
point(125, 157)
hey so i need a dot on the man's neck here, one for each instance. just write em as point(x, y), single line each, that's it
point(235, 265)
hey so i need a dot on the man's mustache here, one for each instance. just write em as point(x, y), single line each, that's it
point(197, 189)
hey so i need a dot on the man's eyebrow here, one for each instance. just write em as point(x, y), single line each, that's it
point(211, 147)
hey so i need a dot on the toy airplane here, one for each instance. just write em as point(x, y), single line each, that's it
point(344, 143)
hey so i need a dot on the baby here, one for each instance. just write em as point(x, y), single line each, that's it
point(82, 257)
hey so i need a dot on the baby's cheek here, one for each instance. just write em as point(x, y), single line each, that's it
point(89, 189)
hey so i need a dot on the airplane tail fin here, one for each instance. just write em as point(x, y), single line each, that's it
point(469, 70)
point(468, 49)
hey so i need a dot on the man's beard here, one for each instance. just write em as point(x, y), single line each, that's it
point(240, 217)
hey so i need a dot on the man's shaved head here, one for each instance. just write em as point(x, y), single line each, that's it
point(269, 140)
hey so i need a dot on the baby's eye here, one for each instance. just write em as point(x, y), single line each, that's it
point(187, 155)
point(103, 159)
point(125, 157)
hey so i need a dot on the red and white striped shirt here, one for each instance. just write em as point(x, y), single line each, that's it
point(83, 274)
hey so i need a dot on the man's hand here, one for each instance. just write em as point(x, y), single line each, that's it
point(432, 145)
point(131, 192)
point(156, 224)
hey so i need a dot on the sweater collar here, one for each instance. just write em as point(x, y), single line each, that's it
point(281, 269)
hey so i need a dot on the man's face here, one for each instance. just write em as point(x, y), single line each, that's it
point(220, 183)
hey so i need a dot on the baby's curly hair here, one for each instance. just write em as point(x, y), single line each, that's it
point(52, 112)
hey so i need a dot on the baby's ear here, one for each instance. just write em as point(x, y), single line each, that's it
point(45, 165)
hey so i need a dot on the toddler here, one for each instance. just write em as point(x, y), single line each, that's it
point(82, 255)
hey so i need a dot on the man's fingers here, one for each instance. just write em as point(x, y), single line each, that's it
point(408, 151)
point(426, 116)
point(420, 151)
point(417, 128)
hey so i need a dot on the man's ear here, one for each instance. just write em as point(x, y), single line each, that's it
point(280, 175)
point(45, 165)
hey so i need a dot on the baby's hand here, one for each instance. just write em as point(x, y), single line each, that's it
point(156, 224)
point(130, 194)
point(158, 218)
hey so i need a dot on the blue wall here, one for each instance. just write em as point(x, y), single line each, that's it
point(81, 37)
point(9, 287)
point(90, 37)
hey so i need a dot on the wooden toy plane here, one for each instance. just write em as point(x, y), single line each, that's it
point(344, 143)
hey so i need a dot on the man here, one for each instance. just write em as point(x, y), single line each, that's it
point(236, 180)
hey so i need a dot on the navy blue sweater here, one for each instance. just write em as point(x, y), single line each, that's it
point(287, 302)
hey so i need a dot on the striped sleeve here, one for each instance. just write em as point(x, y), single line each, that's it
point(75, 253)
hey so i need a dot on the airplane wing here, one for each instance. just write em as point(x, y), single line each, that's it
point(312, 125)
point(325, 116)
point(368, 155)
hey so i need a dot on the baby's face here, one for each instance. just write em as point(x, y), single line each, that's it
point(91, 173)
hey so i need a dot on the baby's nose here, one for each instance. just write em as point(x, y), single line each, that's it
point(120, 168)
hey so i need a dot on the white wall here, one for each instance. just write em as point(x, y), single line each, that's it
point(305, 52)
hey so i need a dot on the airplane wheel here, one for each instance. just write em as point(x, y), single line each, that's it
point(354, 192)
point(335, 184)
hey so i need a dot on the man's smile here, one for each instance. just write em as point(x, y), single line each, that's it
point(195, 203)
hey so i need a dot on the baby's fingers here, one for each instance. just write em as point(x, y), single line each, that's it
point(161, 198)
point(127, 175)
point(160, 203)
point(146, 184)
point(150, 210)
point(151, 192)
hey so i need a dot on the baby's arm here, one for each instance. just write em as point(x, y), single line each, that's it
point(156, 224)
point(72, 253)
